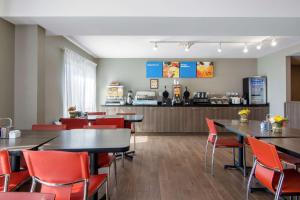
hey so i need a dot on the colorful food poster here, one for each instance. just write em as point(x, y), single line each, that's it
point(205, 69)
point(188, 69)
point(171, 70)
point(154, 69)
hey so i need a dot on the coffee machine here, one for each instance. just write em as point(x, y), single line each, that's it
point(186, 97)
point(166, 101)
point(201, 98)
point(176, 95)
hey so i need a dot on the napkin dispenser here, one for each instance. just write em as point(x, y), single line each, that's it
point(6, 126)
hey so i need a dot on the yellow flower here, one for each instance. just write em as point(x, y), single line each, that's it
point(244, 112)
point(278, 119)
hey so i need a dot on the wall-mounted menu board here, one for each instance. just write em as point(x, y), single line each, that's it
point(171, 69)
point(188, 69)
point(154, 69)
point(175, 69)
point(205, 69)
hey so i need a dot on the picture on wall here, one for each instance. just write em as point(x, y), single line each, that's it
point(205, 69)
point(171, 69)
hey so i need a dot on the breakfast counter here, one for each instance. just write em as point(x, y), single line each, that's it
point(184, 118)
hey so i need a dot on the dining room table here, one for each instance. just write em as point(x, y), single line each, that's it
point(252, 129)
point(93, 141)
point(29, 140)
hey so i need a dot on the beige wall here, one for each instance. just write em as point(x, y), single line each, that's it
point(53, 71)
point(7, 47)
point(274, 67)
point(131, 73)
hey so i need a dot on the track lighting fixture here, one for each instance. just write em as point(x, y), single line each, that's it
point(259, 46)
point(155, 47)
point(220, 48)
point(245, 50)
point(273, 42)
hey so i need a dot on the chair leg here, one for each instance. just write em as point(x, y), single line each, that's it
point(106, 190)
point(212, 159)
point(279, 187)
point(205, 159)
point(233, 154)
point(108, 179)
point(244, 161)
point(115, 168)
point(250, 179)
point(33, 185)
point(134, 143)
point(123, 159)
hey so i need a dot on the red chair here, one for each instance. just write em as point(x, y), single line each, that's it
point(48, 127)
point(66, 174)
point(220, 143)
point(10, 181)
point(96, 113)
point(118, 121)
point(131, 126)
point(268, 170)
point(105, 159)
point(74, 123)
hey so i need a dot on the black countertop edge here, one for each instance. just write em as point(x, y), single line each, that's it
point(199, 105)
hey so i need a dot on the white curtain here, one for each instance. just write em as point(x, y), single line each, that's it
point(79, 87)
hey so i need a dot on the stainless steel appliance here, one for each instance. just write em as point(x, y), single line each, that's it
point(166, 101)
point(145, 98)
point(200, 98)
point(186, 97)
point(255, 89)
point(129, 97)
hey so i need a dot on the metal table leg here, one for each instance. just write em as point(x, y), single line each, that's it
point(94, 171)
point(15, 162)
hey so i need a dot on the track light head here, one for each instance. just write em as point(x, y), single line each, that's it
point(155, 47)
point(259, 46)
point(219, 48)
point(245, 50)
point(273, 42)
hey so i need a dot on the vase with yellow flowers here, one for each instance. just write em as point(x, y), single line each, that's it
point(72, 111)
point(277, 123)
point(244, 113)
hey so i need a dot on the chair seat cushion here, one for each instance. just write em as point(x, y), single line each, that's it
point(95, 182)
point(105, 159)
point(228, 142)
point(289, 159)
point(16, 178)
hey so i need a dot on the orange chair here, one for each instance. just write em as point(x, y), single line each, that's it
point(105, 159)
point(269, 171)
point(118, 121)
point(48, 127)
point(66, 174)
point(96, 113)
point(131, 126)
point(10, 181)
point(220, 143)
point(74, 123)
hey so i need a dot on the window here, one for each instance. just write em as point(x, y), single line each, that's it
point(79, 82)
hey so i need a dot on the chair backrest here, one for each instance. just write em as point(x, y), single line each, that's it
point(211, 129)
point(74, 123)
point(119, 122)
point(100, 127)
point(96, 113)
point(269, 166)
point(4, 163)
point(48, 127)
point(59, 169)
point(128, 124)
point(5, 170)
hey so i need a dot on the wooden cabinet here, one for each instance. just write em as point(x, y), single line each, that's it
point(182, 119)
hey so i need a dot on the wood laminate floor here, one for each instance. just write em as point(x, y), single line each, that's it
point(171, 167)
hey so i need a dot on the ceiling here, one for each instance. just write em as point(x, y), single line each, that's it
point(124, 29)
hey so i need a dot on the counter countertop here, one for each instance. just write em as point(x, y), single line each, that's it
point(199, 105)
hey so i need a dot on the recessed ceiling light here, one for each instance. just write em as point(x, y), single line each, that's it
point(220, 48)
point(155, 47)
point(273, 42)
point(245, 50)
